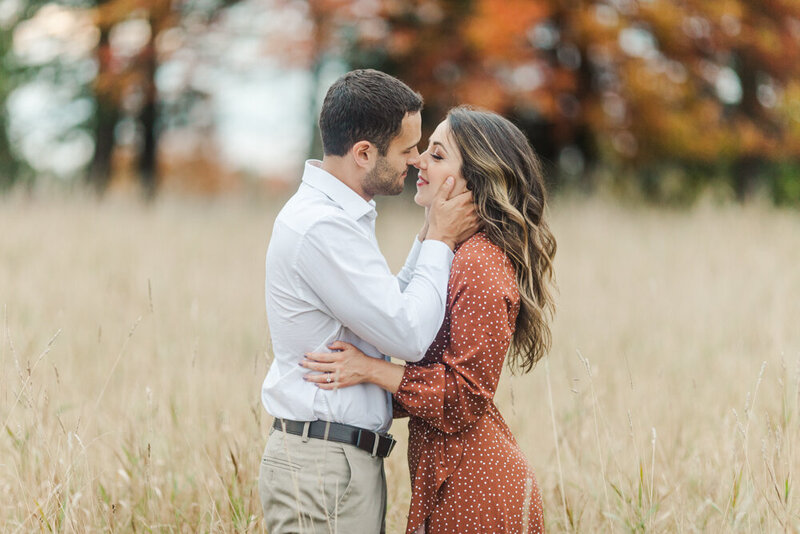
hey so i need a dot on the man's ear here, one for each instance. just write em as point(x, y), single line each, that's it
point(364, 154)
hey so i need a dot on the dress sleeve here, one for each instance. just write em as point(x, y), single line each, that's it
point(455, 393)
point(398, 411)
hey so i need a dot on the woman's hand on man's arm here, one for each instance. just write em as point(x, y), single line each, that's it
point(348, 366)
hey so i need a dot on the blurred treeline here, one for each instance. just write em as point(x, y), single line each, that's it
point(664, 98)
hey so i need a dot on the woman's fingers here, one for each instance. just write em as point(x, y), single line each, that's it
point(324, 381)
point(322, 367)
point(316, 378)
point(319, 378)
point(328, 380)
point(327, 357)
point(340, 345)
point(333, 370)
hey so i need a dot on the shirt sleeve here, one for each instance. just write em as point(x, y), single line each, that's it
point(455, 393)
point(407, 272)
point(347, 272)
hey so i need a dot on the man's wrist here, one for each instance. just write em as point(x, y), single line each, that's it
point(423, 232)
point(449, 242)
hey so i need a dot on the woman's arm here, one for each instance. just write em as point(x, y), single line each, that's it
point(453, 394)
point(348, 367)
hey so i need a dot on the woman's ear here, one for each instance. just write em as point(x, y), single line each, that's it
point(364, 154)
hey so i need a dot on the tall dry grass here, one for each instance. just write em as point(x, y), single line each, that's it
point(133, 344)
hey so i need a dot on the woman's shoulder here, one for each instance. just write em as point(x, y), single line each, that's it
point(479, 260)
point(479, 248)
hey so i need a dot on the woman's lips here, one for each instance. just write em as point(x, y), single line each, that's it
point(421, 181)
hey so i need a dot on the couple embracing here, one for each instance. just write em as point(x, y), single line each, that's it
point(475, 287)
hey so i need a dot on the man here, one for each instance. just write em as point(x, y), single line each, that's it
point(326, 280)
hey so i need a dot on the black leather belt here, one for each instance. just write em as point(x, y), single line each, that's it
point(374, 443)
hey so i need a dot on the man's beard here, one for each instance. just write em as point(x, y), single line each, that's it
point(382, 180)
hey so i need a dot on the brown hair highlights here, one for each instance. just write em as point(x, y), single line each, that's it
point(364, 105)
point(505, 177)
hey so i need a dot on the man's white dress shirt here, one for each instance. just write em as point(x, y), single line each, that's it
point(327, 280)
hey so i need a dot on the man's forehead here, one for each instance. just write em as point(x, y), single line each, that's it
point(411, 129)
point(413, 119)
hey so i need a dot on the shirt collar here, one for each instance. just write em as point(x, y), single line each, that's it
point(350, 201)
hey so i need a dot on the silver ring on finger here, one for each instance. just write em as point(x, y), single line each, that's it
point(328, 379)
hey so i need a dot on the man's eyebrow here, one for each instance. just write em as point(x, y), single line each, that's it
point(412, 146)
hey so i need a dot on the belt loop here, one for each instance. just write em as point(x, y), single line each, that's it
point(305, 431)
point(375, 445)
point(327, 430)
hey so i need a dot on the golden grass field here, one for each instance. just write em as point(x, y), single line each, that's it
point(133, 345)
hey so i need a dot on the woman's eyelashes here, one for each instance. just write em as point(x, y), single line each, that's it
point(430, 150)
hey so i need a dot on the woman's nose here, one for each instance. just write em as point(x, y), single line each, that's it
point(418, 161)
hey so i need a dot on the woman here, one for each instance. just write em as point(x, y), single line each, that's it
point(467, 472)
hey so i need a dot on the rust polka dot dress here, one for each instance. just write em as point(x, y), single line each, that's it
point(468, 474)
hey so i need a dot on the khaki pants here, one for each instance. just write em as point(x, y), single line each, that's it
point(322, 487)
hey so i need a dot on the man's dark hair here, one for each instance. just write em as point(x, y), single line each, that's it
point(365, 105)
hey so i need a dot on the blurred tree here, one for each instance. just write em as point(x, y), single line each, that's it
point(124, 88)
point(133, 78)
point(36, 60)
point(643, 88)
point(107, 97)
point(12, 166)
point(9, 163)
point(708, 86)
point(161, 17)
point(737, 64)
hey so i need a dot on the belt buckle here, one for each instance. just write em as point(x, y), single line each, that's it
point(372, 448)
point(392, 443)
point(362, 444)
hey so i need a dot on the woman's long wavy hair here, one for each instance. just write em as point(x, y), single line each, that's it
point(505, 177)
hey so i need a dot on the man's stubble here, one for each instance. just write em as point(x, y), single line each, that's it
point(382, 180)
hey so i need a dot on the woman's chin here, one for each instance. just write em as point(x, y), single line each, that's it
point(419, 200)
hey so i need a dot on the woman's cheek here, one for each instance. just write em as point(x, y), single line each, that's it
point(461, 187)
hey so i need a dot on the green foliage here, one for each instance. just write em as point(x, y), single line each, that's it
point(672, 98)
point(682, 96)
point(784, 181)
point(10, 165)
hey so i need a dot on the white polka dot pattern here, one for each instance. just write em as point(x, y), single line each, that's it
point(467, 473)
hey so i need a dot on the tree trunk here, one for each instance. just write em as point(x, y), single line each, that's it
point(315, 148)
point(746, 175)
point(320, 20)
point(9, 165)
point(148, 158)
point(749, 167)
point(106, 115)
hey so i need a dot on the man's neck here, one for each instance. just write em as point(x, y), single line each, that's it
point(338, 167)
